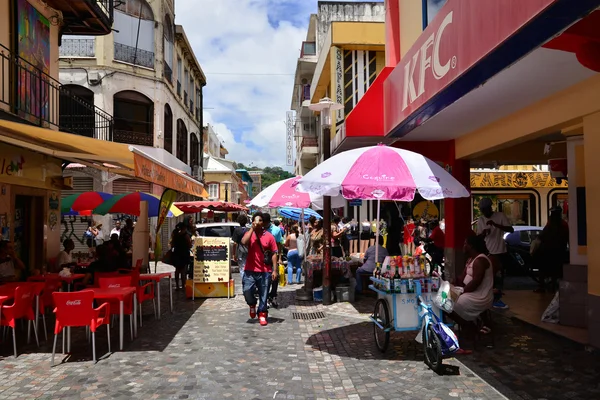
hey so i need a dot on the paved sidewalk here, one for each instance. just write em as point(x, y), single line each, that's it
point(210, 349)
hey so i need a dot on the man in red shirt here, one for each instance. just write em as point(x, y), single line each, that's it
point(257, 273)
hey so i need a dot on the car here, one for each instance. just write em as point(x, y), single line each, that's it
point(219, 229)
point(518, 244)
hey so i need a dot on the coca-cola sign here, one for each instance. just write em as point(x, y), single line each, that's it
point(73, 302)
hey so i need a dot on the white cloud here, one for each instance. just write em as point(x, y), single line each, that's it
point(250, 37)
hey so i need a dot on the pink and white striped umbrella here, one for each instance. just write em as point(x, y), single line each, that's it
point(381, 173)
point(284, 194)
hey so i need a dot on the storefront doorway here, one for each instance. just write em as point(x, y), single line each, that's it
point(29, 230)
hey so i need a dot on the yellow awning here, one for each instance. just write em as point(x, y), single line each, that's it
point(118, 158)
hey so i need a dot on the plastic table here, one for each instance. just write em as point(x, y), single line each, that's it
point(156, 278)
point(120, 294)
point(67, 279)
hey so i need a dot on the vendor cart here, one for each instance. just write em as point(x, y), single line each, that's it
point(410, 311)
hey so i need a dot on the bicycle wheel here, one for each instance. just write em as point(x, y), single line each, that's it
point(432, 349)
point(382, 316)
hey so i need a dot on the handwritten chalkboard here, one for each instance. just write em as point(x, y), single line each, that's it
point(211, 260)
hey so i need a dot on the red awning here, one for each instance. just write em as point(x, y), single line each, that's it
point(364, 124)
point(190, 207)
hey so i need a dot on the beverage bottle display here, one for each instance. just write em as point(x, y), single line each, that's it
point(389, 281)
point(397, 281)
point(411, 286)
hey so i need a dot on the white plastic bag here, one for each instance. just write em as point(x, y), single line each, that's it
point(65, 273)
point(443, 298)
point(551, 315)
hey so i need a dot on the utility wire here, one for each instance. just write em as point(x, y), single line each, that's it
point(247, 74)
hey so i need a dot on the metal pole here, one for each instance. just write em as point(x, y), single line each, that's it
point(327, 226)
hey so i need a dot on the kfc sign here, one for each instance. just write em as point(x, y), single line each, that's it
point(414, 86)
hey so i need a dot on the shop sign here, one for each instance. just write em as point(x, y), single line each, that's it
point(451, 45)
point(339, 82)
point(155, 173)
point(516, 180)
point(23, 167)
point(211, 260)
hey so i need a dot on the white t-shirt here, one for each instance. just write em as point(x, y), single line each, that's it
point(495, 239)
point(7, 268)
point(63, 258)
point(115, 231)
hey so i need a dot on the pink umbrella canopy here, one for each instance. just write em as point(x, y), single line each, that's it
point(381, 173)
point(284, 194)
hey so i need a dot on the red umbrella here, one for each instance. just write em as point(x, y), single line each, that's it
point(190, 207)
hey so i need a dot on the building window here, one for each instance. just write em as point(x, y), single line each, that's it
point(213, 191)
point(431, 10)
point(179, 75)
point(134, 33)
point(198, 99)
point(186, 79)
point(168, 129)
point(182, 141)
point(194, 150)
point(309, 49)
point(168, 40)
point(133, 118)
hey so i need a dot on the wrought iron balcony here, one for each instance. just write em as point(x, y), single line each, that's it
point(135, 56)
point(77, 48)
point(85, 17)
point(129, 137)
point(36, 97)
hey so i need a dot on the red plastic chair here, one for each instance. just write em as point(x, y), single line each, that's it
point(115, 282)
point(21, 308)
point(143, 292)
point(77, 309)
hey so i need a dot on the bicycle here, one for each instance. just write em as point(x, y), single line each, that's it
point(432, 345)
point(422, 319)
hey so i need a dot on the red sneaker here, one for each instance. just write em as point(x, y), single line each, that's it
point(262, 318)
point(252, 311)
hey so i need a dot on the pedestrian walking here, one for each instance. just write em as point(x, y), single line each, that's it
point(259, 271)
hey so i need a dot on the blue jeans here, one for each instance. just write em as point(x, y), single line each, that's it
point(241, 266)
point(294, 261)
point(260, 281)
point(360, 271)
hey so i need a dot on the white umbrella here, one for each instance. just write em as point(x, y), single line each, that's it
point(381, 173)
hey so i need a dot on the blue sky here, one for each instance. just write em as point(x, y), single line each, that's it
point(248, 50)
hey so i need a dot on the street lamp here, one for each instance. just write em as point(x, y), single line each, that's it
point(325, 106)
point(226, 183)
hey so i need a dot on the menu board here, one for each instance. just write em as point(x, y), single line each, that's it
point(211, 260)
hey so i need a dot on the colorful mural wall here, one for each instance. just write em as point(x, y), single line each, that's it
point(34, 64)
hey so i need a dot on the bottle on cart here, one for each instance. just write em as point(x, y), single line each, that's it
point(397, 281)
point(411, 286)
point(389, 283)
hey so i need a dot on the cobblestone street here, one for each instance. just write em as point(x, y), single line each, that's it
point(210, 349)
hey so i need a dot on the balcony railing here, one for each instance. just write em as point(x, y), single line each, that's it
point(77, 48)
point(168, 73)
point(85, 17)
point(129, 137)
point(309, 141)
point(135, 56)
point(41, 100)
